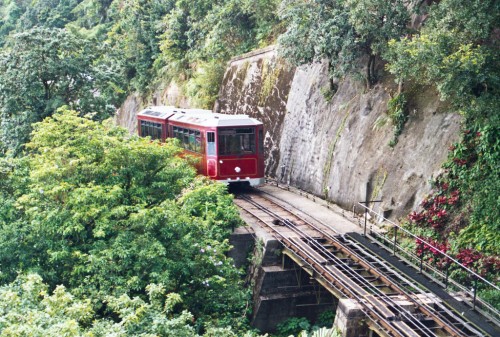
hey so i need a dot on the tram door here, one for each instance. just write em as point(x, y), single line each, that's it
point(211, 159)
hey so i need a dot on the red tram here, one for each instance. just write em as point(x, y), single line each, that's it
point(230, 148)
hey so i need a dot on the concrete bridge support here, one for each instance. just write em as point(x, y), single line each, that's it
point(281, 289)
point(281, 293)
point(350, 319)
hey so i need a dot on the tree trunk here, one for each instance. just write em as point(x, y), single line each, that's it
point(331, 83)
point(370, 71)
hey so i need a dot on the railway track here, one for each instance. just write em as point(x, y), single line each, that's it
point(395, 305)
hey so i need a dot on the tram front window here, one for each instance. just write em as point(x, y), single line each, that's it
point(235, 141)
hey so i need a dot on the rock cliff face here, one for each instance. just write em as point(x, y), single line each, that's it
point(338, 149)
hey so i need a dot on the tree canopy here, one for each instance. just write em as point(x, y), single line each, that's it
point(107, 214)
point(42, 69)
point(457, 51)
point(341, 31)
point(32, 309)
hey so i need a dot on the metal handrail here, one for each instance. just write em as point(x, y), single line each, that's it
point(447, 283)
point(342, 265)
point(474, 301)
point(468, 270)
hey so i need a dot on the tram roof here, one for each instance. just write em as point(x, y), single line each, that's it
point(197, 116)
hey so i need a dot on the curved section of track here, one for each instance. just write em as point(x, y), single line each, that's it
point(348, 270)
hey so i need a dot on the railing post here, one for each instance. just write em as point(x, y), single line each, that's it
point(447, 276)
point(395, 240)
point(421, 255)
point(475, 292)
point(366, 215)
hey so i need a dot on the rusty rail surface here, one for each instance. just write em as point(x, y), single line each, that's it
point(346, 269)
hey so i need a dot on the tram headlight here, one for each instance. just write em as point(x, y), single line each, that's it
point(237, 169)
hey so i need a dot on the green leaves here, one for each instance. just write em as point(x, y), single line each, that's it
point(106, 214)
point(43, 69)
point(340, 31)
point(456, 51)
point(26, 309)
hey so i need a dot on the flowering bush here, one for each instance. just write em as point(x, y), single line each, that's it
point(431, 250)
point(434, 213)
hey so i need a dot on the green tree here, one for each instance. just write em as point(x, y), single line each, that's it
point(43, 69)
point(10, 12)
point(135, 30)
point(340, 32)
point(106, 214)
point(92, 13)
point(47, 13)
point(29, 308)
point(200, 36)
point(375, 23)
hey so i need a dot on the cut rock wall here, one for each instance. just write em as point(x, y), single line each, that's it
point(258, 84)
point(339, 149)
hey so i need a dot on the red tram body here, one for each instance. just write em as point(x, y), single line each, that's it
point(230, 148)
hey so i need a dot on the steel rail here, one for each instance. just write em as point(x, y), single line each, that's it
point(427, 310)
point(360, 294)
point(442, 322)
point(441, 306)
point(341, 289)
point(367, 288)
point(346, 289)
point(341, 265)
point(432, 311)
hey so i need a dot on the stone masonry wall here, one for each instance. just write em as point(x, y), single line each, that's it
point(258, 84)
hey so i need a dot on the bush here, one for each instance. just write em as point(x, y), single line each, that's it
point(293, 326)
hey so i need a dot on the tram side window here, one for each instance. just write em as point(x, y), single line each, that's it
point(185, 139)
point(177, 133)
point(189, 139)
point(197, 141)
point(235, 141)
point(151, 129)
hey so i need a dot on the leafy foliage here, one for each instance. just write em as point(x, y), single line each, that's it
point(203, 86)
point(456, 50)
point(146, 41)
point(134, 31)
point(200, 36)
point(398, 115)
point(293, 326)
point(341, 32)
point(106, 214)
point(28, 309)
point(43, 69)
